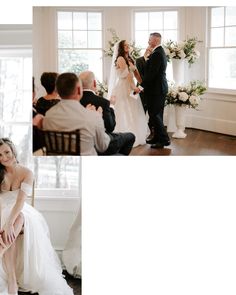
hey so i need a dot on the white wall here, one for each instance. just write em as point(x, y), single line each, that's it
point(217, 111)
point(59, 214)
point(15, 36)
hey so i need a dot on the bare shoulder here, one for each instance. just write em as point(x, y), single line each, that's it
point(26, 173)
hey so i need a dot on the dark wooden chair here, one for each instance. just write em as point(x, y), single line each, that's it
point(62, 142)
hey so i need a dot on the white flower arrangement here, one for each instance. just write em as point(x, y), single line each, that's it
point(186, 95)
point(182, 50)
point(135, 52)
point(102, 89)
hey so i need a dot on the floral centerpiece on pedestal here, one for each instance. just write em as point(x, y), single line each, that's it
point(182, 50)
point(186, 95)
point(135, 51)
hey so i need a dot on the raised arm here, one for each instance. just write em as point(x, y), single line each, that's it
point(121, 64)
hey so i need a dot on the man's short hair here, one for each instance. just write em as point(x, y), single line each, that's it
point(156, 34)
point(66, 84)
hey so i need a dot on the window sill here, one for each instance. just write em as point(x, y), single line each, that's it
point(220, 95)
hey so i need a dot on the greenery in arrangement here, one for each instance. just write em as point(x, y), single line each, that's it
point(102, 89)
point(181, 50)
point(186, 95)
point(135, 51)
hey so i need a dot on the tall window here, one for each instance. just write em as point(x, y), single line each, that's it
point(163, 22)
point(80, 42)
point(222, 48)
point(57, 176)
point(16, 99)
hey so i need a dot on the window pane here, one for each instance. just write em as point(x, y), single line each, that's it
point(94, 39)
point(15, 91)
point(21, 137)
point(217, 37)
point(230, 36)
point(65, 39)
point(217, 17)
point(230, 16)
point(141, 38)
point(222, 68)
point(64, 20)
point(141, 21)
point(170, 35)
point(155, 21)
point(170, 20)
point(94, 21)
point(80, 20)
point(80, 60)
point(57, 172)
point(80, 39)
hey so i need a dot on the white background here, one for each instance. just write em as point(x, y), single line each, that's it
point(153, 225)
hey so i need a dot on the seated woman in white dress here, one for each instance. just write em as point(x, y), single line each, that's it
point(129, 112)
point(28, 261)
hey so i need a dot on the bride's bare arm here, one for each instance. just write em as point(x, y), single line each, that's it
point(137, 76)
point(9, 233)
point(121, 64)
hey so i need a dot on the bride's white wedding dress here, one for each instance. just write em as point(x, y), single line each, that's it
point(38, 268)
point(129, 112)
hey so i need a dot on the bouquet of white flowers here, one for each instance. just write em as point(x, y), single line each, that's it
point(185, 49)
point(186, 95)
point(135, 52)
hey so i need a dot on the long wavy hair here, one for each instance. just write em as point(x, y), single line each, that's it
point(2, 167)
point(121, 52)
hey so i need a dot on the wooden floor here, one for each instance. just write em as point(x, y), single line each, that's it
point(75, 284)
point(197, 143)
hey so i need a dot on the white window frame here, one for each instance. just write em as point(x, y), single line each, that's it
point(16, 51)
point(80, 9)
point(230, 92)
point(60, 193)
point(155, 9)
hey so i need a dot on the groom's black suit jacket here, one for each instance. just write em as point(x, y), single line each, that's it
point(140, 64)
point(108, 113)
point(154, 82)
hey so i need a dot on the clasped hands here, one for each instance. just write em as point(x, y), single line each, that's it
point(7, 235)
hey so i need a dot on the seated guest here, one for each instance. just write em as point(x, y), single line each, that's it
point(44, 103)
point(69, 114)
point(37, 119)
point(120, 142)
point(89, 97)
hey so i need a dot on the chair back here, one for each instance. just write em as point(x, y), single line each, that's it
point(62, 142)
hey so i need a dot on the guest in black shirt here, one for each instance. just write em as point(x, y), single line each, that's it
point(44, 103)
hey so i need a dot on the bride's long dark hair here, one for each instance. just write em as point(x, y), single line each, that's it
point(2, 167)
point(121, 52)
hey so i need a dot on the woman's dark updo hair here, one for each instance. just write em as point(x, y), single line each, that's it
point(48, 81)
point(121, 52)
point(13, 149)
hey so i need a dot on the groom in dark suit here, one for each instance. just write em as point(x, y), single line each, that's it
point(122, 142)
point(156, 87)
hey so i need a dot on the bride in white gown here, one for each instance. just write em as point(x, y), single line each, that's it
point(129, 112)
point(28, 261)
